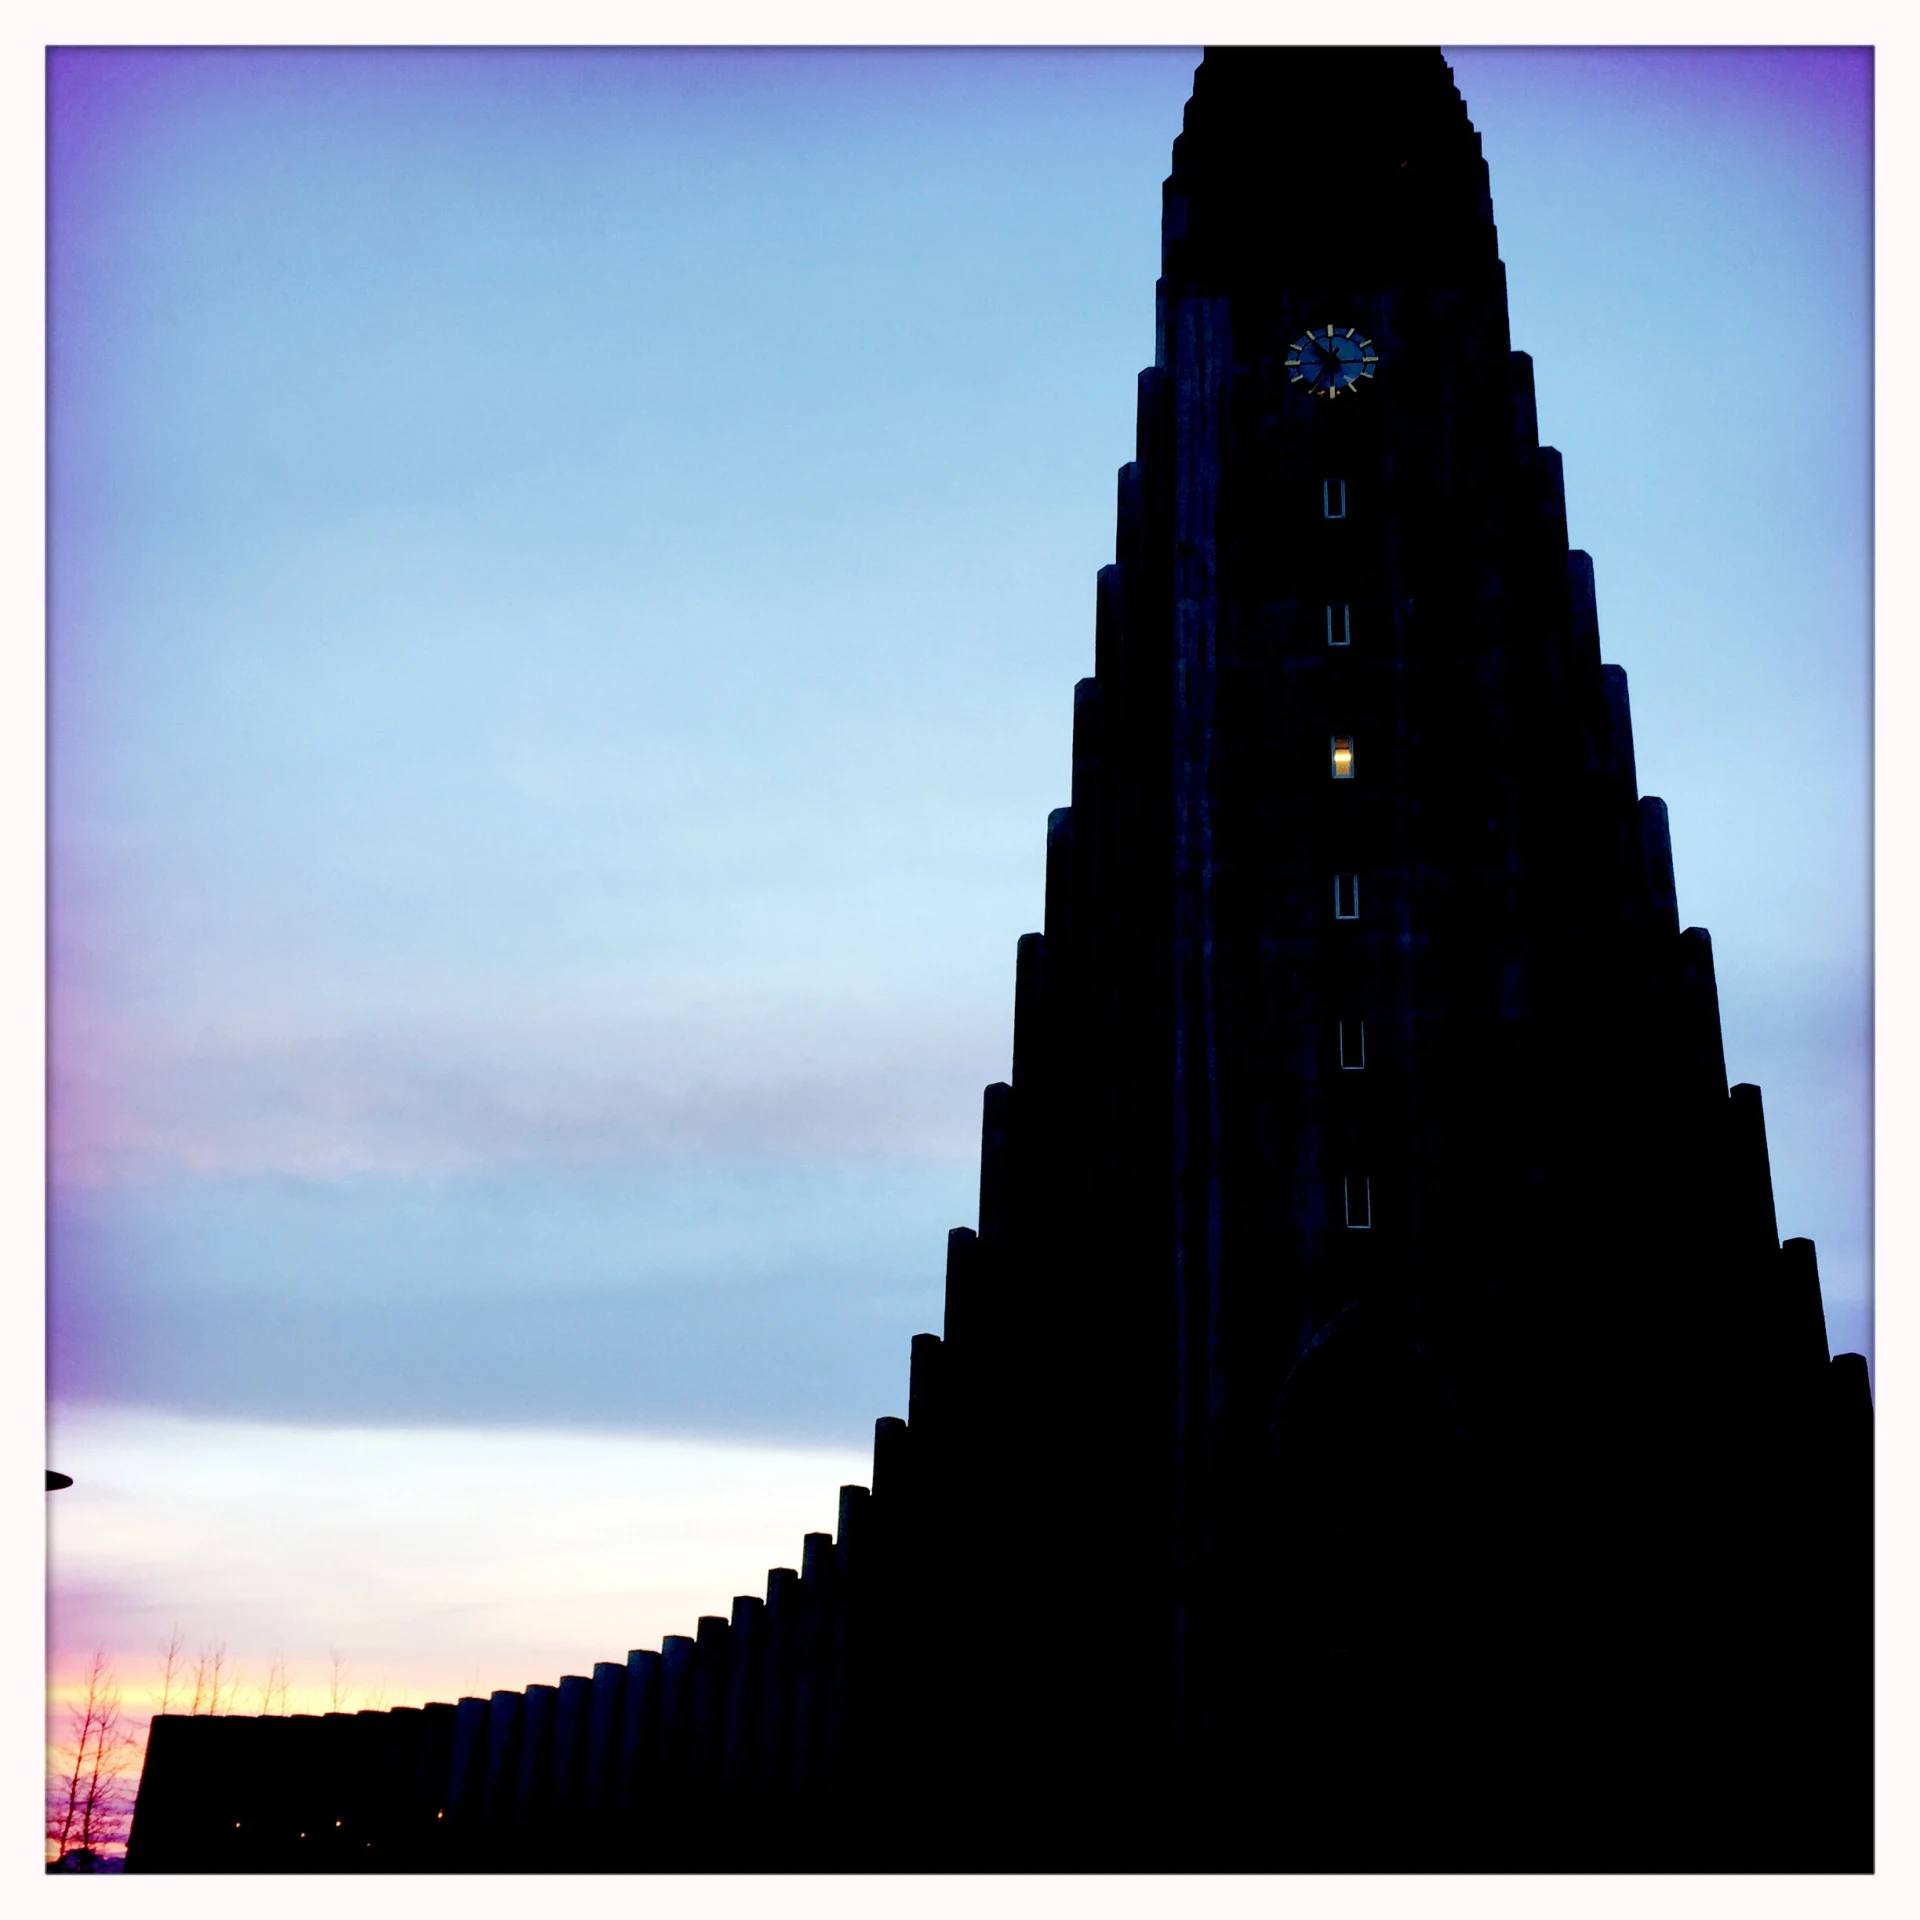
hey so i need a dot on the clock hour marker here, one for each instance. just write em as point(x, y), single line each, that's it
point(1332, 360)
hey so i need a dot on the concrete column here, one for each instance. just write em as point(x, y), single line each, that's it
point(572, 1713)
point(1550, 475)
point(851, 1541)
point(812, 1656)
point(639, 1711)
point(891, 1460)
point(1522, 409)
point(1755, 1227)
point(675, 1749)
point(671, 1795)
point(1088, 731)
point(776, 1693)
point(533, 1796)
point(1109, 621)
point(1029, 981)
point(1619, 739)
point(1706, 1060)
point(712, 1671)
point(865, 1597)
point(467, 1771)
point(744, 1683)
point(997, 1108)
point(639, 1767)
point(506, 1720)
point(1129, 510)
point(600, 1786)
point(1656, 867)
point(1851, 1392)
point(1059, 911)
point(1805, 1312)
point(926, 1379)
point(404, 1815)
point(962, 1309)
point(1583, 618)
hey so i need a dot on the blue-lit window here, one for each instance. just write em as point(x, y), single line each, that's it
point(1353, 1045)
point(1357, 1194)
point(1346, 896)
point(1340, 625)
point(1333, 499)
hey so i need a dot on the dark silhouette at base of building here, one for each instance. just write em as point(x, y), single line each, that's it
point(1377, 1424)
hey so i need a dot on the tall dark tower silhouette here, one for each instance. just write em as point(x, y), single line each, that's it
point(1383, 1274)
point(1376, 1424)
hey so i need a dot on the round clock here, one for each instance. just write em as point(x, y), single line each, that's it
point(1331, 360)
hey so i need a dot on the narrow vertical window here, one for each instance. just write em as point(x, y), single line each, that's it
point(1342, 757)
point(1340, 625)
point(1358, 1192)
point(1333, 499)
point(1353, 1045)
point(1346, 896)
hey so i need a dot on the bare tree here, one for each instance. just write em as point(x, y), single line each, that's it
point(273, 1689)
point(172, 1665)
point(210, 1684)
point(87, 1800)
point(338, 1691)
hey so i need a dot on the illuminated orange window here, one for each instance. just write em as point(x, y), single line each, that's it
point(1342, 757)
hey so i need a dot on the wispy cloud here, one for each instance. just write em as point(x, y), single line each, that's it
point(445, 1098)
point(744, 1300)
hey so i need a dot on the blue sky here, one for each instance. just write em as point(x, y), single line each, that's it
point(568, 572)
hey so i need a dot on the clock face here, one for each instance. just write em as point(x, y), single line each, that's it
point(1331, 360)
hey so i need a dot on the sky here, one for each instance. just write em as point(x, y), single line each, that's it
point(567, 573)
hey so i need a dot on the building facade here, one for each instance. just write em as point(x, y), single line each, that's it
point(1376, 1423)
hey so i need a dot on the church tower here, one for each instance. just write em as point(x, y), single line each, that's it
point(1376, 1423)
point(1373, 1261)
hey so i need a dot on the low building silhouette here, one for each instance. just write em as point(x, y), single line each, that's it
point(1377, 1424)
